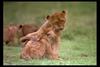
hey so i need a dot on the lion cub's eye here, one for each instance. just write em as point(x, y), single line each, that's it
point(62, 19)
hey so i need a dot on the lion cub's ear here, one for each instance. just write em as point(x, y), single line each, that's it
point(20, 26)
point(48, 17)
point(64, 11)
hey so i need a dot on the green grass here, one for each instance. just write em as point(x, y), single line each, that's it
point(78, 52)
point(78, 43)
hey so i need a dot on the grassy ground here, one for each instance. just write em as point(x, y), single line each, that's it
point(78, 44)
point(78, 52)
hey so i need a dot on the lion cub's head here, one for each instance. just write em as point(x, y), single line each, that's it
point(58, 20)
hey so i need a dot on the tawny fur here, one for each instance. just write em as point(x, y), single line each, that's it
point(9, 33)
point(35, 49)
point(25, 29)
point(54, 23)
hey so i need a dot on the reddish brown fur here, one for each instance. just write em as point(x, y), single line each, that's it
point(9, 33)
point(55, 20)
point(54, 25)
point(25, 29)
point(35, 49)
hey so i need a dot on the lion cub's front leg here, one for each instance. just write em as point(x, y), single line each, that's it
point(34, 36)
